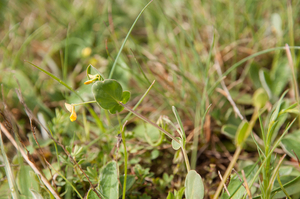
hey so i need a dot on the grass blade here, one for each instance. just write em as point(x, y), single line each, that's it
point(126, 38)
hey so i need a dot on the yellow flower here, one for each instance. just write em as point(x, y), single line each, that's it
point(71, 109)
point(93, 78)
point(88, 82)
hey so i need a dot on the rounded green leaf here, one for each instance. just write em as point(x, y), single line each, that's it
point(194, 188)
point(117, 108)
point(176, 145)
point(108, 93)
point(125, 97)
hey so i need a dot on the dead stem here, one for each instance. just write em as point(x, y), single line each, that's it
point(31, 164)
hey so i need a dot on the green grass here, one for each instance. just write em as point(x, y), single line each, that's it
point(179, 44)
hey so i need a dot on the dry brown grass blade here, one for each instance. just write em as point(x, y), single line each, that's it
point(26, 158)
point(228, 96)
point(246, 185)
point(225, 187)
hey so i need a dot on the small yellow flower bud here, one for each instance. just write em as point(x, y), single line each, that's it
point(88, 82)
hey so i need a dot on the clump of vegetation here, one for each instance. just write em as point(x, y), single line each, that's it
point(159, 99)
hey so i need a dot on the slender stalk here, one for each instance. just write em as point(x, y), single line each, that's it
point(126, 38)
point(237, 153)
point(125, 164)
point(186, 159)
point(294, 81)
point(282, 188)
point(228, 171)
point(291, 25)
point(195, 137)
point(150, 122)
point(83, 103)
point(125, 159)
point(122, 131)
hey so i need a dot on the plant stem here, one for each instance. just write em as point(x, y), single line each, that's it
point(83, 103)
point(125, 154)
point(150, 122)
point(228, 171)
point(186, 159)
point(125, 164)
point(237, 153)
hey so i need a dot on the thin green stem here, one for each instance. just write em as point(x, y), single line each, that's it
point(83, 103)
point(186, 159)
point(271, 151)
point(126, 38)
point(150, 122)
point(125, 164)
point(122, 131)
point(228, 171)
point(237, 153)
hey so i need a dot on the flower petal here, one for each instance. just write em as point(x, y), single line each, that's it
point(73, 115)
point(88, 82)
point(68, 107)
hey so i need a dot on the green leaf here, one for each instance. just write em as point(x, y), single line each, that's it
point(92, 195)
point(182, 133)
point(109, 184)
point(282, 74)
point(117, 108)
point(229, 130)
point(179, 194)
point(194, 188)
point(170, 195)
point(109, 93)
point(129, 183)
point(125, 97)
point(176, 145)
point(290, 143)
point(277, 109)
point(241, 134)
